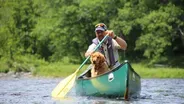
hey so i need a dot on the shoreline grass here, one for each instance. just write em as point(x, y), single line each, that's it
point(158, 72)
point(63, 70)
point(60, 69)
point(57, 70)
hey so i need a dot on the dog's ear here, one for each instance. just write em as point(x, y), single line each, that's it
point(91, 57)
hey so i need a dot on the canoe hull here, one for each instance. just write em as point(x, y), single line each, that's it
point(122, 81)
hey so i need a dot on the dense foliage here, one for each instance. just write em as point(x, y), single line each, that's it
point(60, 30)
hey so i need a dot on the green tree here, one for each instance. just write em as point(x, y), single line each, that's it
point(54, 30)
point(151, 28)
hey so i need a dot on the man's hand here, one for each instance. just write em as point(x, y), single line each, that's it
point(110, 33)
point(119, 40)
point(88, 53)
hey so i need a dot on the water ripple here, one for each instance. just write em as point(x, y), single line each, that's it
point(37, 91)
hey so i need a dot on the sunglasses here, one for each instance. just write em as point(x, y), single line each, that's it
point(99, 31)
point(100, 24)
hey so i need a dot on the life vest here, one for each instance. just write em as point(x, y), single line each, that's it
point(109, 49)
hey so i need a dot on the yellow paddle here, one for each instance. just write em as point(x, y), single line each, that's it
point(65, 85)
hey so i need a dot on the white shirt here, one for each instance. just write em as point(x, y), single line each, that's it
point(115, 47)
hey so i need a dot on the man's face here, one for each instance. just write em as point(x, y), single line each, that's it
point(100, 34)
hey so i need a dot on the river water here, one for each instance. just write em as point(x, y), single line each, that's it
point(33, 90)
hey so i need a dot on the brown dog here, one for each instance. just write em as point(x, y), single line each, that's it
point(99, 64)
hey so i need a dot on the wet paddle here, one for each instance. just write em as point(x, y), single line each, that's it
point(65, 85)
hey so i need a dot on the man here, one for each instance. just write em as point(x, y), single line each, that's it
point(109, 47)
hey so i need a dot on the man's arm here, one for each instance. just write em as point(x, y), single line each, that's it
point(119, 40)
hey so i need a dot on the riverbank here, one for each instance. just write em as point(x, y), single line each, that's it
point(64, 70)
point(158, 71)
point(23, 66)
point(12, 74)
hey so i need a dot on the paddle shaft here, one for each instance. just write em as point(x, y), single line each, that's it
point(94, 50)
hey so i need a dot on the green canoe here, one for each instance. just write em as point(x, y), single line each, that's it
point(122, 81)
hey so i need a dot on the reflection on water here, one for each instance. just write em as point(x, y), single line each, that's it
point(38, 90)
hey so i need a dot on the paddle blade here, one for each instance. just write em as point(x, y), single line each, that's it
point(64, 86)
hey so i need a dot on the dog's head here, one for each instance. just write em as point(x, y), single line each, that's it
point(97, 58)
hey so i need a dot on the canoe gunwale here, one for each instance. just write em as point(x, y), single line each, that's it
point(80, 77)
point(133, 70)
point(88, 78)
